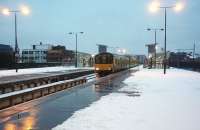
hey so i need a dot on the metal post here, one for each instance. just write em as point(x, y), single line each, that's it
point(129, 62)
point(194, 51)
point(165, 60)
point(155, 46)
point(76, 55)
point(16, 44)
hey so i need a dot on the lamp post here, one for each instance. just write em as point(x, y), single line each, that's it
point(24, 10)
point(76, 53)
point(154, 6)
point(150, 57)
point(155, 33)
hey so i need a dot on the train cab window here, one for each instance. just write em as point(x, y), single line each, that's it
point(97, 60)
point(104, 59)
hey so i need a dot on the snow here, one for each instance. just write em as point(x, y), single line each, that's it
point(36, 70)
point(42, 86)
point(166, 102)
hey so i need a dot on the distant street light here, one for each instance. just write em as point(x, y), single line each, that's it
point(76, 53)
point(155, 32)
point(121, 50)
point(24, 10)
point(154, 6)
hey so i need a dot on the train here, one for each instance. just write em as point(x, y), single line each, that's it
point(107, 63)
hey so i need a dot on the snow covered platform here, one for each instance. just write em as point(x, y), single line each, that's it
point(7, 76)
point(29, 78)
point(5, 73)
point(149, 101)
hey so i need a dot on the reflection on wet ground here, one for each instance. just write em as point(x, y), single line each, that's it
point(108, 87)
point(50, 111)
point(24, 121)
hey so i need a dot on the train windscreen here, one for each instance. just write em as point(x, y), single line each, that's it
point(104, 59)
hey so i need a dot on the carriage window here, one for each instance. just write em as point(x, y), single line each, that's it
point(97, 60)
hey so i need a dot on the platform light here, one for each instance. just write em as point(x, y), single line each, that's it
point(154, 6)
point(179, 6)
point(123, 51)
point(25, 10)
point(119, 50)
point(76, 52)
point(6, 11)
point(157, 47)
point(150, 56)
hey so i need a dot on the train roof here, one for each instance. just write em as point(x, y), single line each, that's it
point(115, 54)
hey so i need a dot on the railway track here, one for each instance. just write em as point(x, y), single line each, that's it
point(10, 99)
point(93, 88)
point(41, 89)
point(21, 82)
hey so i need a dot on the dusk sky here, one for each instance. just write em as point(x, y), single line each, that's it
point(116, 23)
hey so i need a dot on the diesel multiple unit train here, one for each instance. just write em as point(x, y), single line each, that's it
point(106, 63)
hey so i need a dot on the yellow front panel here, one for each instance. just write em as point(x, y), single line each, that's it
point(103, 67)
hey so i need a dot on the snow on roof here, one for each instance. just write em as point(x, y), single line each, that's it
point(166, 102)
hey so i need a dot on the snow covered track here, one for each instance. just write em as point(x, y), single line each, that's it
point(17, 97)
point(166, 102)
point(5, 73)
point(21, 82)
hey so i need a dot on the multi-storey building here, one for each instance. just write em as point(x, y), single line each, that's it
point(56, 54)
point(141, 58)
point(38, 54)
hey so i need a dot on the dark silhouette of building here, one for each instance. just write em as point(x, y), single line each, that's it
point(102, 48)
point(175, 59)
point(6, 56)
point(141, 58)
point(59, 54)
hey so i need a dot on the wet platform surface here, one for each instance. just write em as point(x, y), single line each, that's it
point(50, 111)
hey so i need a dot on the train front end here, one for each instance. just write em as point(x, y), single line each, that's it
point(103, 63)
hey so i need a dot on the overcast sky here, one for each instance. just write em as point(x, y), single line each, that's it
point(116, 23)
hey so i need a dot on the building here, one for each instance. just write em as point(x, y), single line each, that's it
point(58, 54)
point(102, 48)
point(45, 53)
point(6, 56)
point(176, 59)
point(141, 58)
point(38, 54)
point(84, 59)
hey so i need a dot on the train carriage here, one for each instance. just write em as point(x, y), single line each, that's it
point(106, 63)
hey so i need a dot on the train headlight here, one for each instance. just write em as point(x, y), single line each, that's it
point(96, 68)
